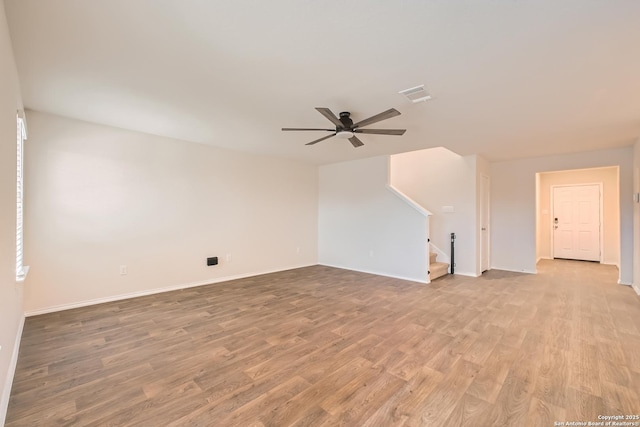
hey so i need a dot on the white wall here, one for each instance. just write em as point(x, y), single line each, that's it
point(636, 218)
point(610, 209)
point(438, 177)
point(363, 226)
point(100, 197)
point(513, 206)
point(11, 312)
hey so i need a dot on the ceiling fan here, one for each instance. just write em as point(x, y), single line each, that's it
point(345, 128)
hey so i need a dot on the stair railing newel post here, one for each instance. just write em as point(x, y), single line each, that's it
point(453, 259)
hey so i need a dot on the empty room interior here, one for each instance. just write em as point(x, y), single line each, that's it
point(299, 213)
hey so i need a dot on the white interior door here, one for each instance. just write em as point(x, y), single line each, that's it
point(576, 222)
point(484, 223)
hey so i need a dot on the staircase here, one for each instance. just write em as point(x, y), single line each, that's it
point(437, 269)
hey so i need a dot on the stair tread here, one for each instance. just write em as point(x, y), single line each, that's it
point(438, 269)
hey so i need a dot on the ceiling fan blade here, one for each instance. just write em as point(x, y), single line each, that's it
point(355, 142)
point(329, 115)
point(381, 131)
point(321, 139)
point(392, 112)
point(328, 130)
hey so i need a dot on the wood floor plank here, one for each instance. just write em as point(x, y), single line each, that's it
point(314, 416)
point(333, 356)
point(321, 346)
point(631, 347)
point(297, 408)
point(489, 381)
point(468, 412)
point(127, 397)
point(443, 399)
point(542, 414)
point(552, 383)
point(512, 404)
point(339, 399)
point(168, 405)
point(619, 399)
point(584, 372)
point(583, 406)
point(406, 401)
point(368, 398)
point(255, 410)
point(482, 348)
point(64, 409)
point(444, 359)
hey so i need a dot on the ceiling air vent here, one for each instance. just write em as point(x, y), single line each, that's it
point(416, 94)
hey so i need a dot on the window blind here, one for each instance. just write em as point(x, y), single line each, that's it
point(21, 136)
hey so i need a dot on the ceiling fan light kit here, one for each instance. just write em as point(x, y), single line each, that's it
point(345, 134)
point(346, 129)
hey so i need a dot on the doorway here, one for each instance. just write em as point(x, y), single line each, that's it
point(610, 216)
point(577, 222)
point(484, 223)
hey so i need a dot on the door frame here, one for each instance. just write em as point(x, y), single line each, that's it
point(601, 206)
point(485, 200)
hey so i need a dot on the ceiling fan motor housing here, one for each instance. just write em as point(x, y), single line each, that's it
point(346, 120)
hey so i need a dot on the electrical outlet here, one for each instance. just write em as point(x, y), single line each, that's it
point(298, 250)
point(123, 270)
point(229, 258)
point(371, 253)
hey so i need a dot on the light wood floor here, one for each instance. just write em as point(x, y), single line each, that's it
point(320, 346)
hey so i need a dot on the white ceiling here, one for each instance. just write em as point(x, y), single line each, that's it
point(509, 78)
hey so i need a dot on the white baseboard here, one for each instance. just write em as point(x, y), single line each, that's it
point(6, 390)
point(120, 297)
point(636, 288)
point(493, 267)
point(410, 279)
point(465, 273)
point(620, 282)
